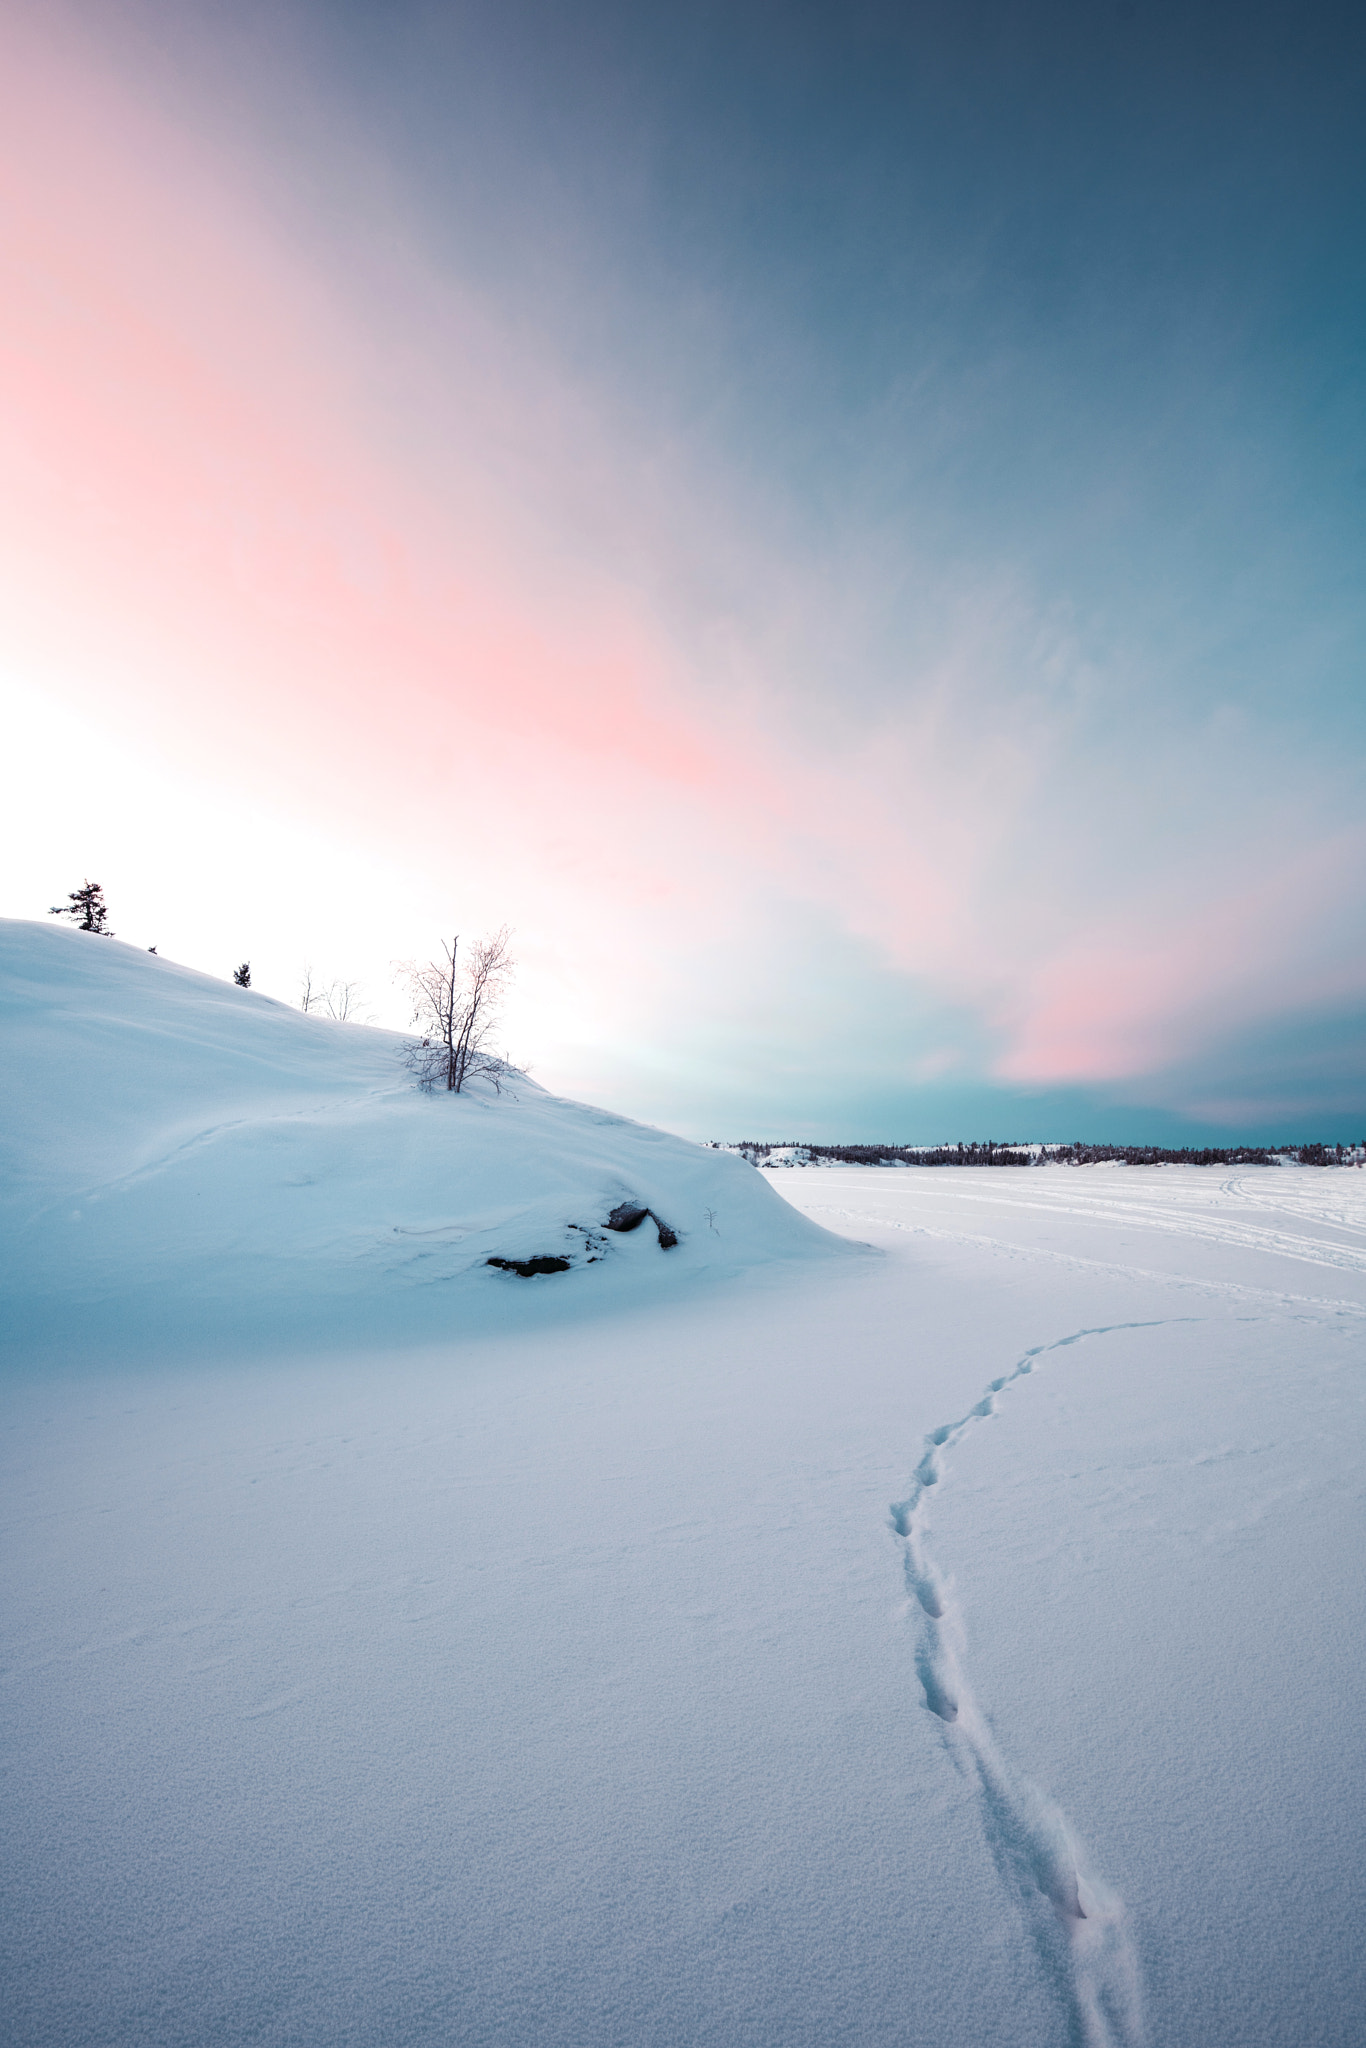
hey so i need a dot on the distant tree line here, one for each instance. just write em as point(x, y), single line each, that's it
point(988, 1153)
point(1204, 1155)
point(985, 1154)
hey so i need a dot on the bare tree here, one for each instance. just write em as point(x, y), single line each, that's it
point(455, 1003)
point(342, 999)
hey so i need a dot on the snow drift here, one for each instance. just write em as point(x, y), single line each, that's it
point(960, 1646)
point(186, 1159)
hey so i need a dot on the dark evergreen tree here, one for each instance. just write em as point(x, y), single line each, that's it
point(242, 975)
point(88, 907)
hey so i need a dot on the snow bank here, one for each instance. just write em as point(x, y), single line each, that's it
point(186, 1159)
point(959, 1646)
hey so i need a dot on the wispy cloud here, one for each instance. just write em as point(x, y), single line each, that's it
point(764, 732)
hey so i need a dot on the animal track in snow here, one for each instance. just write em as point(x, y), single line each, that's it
point(1077, 1923)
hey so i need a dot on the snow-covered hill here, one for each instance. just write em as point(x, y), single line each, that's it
point(184, 1159)
point(960, 1645)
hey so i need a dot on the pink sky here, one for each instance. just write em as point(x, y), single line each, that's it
point(316, 526)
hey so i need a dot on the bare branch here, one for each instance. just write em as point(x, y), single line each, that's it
point(342, 999)
point(455, 1005)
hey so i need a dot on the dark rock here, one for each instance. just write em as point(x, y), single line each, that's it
point(630, 1216)
point(528, 1268)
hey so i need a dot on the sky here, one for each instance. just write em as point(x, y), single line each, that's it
point(840, 525)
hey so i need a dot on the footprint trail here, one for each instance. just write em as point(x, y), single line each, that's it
point(1077, 1923)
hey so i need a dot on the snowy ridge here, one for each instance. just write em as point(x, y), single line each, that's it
point(1076, 1920)
point(188, 1161)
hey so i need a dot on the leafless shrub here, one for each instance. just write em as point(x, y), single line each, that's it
point(340, 999)
point(455, 1005)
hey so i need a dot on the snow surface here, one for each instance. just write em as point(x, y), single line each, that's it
point(187, 1160)
point(954, 1644)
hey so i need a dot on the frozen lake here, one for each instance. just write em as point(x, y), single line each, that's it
point(618, 1681)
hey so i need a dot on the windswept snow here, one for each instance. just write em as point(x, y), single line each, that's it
point(957, 1643)
point(187, 1159)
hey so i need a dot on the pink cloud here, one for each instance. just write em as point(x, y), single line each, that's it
point(313, 518)
point(227, 521)
point(1111, 1007)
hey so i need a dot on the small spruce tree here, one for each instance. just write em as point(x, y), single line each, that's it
point(88, 907)
point(242, 975)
